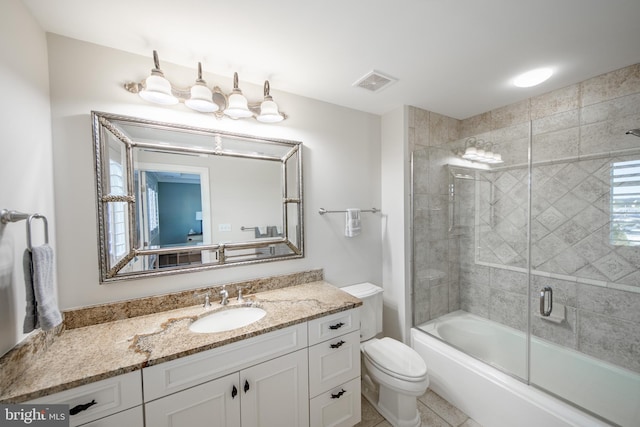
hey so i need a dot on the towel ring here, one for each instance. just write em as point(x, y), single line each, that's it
point(46, 228)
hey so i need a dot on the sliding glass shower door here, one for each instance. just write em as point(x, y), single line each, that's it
point(585, 263)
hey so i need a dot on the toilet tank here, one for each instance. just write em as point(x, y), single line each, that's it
point(371, 310)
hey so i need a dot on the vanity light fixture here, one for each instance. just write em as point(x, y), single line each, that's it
point(157, 88)
point(268, 109)
point(199, 97)
point(477, 150)
point(238, 105)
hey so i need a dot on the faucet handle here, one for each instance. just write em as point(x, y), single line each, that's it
point(206, 295)
point(240, 290)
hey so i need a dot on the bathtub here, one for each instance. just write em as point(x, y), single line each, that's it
point(494, 398)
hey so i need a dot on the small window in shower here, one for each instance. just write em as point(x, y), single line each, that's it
point(625, 203)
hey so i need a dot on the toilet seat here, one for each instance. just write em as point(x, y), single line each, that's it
point(395, 359)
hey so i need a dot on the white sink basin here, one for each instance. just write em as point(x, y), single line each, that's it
point(227, 319)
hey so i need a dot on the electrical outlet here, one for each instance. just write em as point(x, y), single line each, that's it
point(224, 227)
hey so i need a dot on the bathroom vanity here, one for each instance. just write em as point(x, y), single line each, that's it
point(297, 366)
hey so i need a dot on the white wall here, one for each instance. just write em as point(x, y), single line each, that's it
point(341, 170)
point(395, 226)
point(25, 155)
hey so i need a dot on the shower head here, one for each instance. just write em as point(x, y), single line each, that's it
point(635, 132)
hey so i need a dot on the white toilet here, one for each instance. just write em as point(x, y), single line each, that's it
point(393, 374)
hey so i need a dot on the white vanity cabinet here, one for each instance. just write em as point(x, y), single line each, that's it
point(113, 402)
point(334, 370)
point(264, 382)
point(305, 375)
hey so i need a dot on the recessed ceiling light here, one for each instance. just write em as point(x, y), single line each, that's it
point(533, 77)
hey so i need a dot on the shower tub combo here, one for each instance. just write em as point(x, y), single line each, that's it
point(506, 233)
point(467, 354)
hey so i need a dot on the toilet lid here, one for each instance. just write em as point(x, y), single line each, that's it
point(396, 359)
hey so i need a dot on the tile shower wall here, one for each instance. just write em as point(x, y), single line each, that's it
point(435, 254)
point(577, 132)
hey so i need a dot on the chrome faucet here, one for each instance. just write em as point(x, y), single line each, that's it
point(225, 296)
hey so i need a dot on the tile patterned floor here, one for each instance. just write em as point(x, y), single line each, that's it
point(434, 412)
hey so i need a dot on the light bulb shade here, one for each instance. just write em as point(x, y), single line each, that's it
point(269, 112)
point(238, 107)
point(470, 153)
point(201, 99)
point(497, 158)
point(158, 90)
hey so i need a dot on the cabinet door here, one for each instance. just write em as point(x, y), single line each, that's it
point(277, 392)
point(212, 404)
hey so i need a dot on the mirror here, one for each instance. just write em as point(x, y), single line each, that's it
point(173, 198)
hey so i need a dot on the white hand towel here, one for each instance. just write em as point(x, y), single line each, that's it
point(352, 223)
point(42, 304)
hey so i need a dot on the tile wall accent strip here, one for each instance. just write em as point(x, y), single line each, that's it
point(581, 280)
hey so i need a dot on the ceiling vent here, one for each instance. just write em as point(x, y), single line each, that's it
point(374, 81)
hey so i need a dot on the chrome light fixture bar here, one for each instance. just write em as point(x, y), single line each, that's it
point(199, 97)
point(477, 150)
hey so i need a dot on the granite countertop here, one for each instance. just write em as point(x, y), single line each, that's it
point(87, 354)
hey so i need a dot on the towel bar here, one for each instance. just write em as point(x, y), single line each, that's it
point(7, 216)
point(323, 211)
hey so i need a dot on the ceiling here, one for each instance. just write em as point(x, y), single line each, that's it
point(453, 57)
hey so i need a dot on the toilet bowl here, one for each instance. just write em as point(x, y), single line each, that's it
point(396, 365)
point(393, 374)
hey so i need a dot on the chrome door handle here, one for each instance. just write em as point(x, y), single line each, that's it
point(546, 304)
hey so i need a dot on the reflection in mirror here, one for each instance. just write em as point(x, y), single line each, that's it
point(175, 198)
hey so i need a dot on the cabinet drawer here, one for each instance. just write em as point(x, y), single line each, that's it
point(326, 328)
point(130, 418)
point(170, 377)
point(339, 407)
point(111, 395)
point(334, 362)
